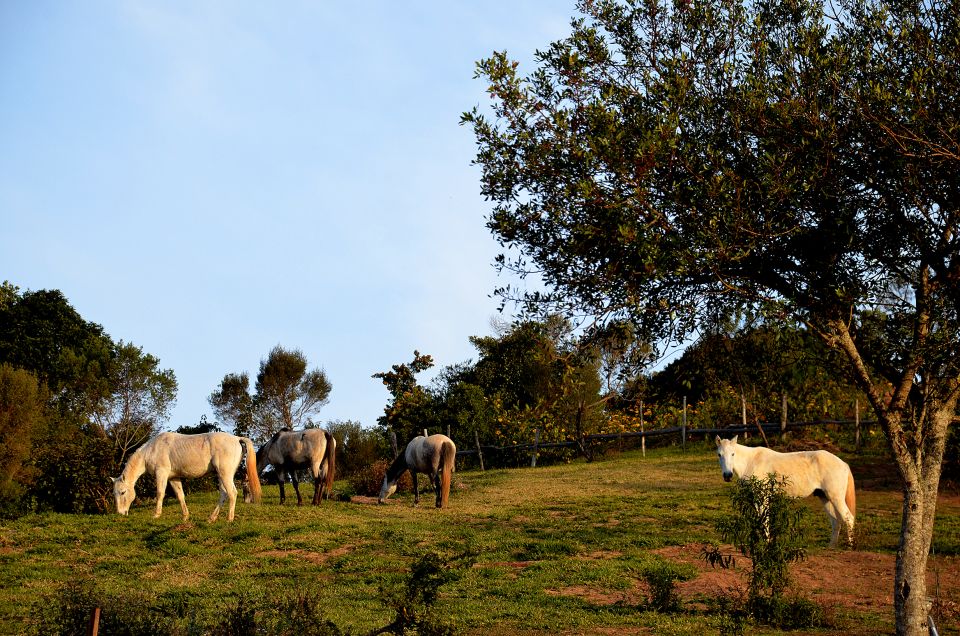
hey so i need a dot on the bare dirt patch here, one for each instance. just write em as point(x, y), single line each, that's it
point(857, 581)
point(634, 596)
point(318, 558)
point(844, 580)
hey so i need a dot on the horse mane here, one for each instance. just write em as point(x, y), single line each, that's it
point(397, 467)
point(136, 465)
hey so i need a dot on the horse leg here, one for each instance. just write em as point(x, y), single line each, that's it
point(177, 486)
point(281, 479)
point(436, 485)
point(319, 484)
point(296, 486)
point(416, 488)
point(316, 471)
point(227, 491)
point(840, 515)
point(161, 476)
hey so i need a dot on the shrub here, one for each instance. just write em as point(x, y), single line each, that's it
point(413, 602)
point(765, 526)
point(662, 578)
point(369, 480)
point(357, 447)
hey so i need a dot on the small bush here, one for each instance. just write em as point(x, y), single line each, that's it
point(787, 613)
point(357, 447)
point(662, 580)
point(367, 482)
point(765, 526)
point(70, 612)
point(413, 603)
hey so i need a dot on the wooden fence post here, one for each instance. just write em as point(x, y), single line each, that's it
point(93, 627)
point(856, 420)
point(743, 413)
point(783, 416)
point(536, 443)
point(476, 438)
point(683, 428)
point(643, 436)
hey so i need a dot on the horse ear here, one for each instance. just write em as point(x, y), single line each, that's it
point(718, 440)
point(734, 440)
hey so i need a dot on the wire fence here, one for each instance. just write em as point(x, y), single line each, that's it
point(681, 433)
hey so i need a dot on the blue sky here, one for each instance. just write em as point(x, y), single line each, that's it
point(210, 179)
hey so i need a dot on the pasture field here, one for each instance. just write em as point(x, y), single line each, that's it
point(552, 550)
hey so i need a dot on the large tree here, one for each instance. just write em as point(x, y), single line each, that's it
point(102, 398)
point(411, 407)
point(287, 394)
point(140, 398)
point(675, 160)
point(21, 416)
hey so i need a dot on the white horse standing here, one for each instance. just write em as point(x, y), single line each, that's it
point(806, 473)
point(433, 456)
point(171, 457)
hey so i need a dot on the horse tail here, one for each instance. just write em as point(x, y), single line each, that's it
point(851, 498)
point(331, 455)
point(448, 455)
point(252, 478)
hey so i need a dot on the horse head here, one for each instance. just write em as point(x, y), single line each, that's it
point(726, 450)
point(124, 494)
point(388, 488)
point(393, 474)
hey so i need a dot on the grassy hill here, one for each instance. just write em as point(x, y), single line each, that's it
point(555, 549)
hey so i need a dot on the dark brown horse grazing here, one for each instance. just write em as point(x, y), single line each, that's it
point(289, 451)
point(434, 456)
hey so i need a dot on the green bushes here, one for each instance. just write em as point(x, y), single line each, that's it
point(297, 613)
point(661, 579)
point(368, 481)
point(764, 525)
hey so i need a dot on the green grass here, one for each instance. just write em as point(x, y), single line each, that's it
point(528, 532)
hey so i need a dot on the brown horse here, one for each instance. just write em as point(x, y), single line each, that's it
point(434, 456)
point(170, 457)
point(289, 451)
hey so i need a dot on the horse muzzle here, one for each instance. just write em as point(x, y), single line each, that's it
point(727, 476)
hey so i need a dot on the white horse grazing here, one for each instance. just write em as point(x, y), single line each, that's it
point(806, 473)
point(433, 456)
point(171, 457)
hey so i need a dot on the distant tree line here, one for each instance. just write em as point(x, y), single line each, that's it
point(541, 375)
point(74, 403)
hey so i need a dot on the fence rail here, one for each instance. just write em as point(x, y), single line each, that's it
point(682, 433)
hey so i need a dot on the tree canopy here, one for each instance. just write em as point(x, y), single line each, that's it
point(674, 161)
point(287, 394)
point(100, 398)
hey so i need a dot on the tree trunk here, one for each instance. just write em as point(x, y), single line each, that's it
point(917, 449)
point(921, 479)
point(909, 585)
